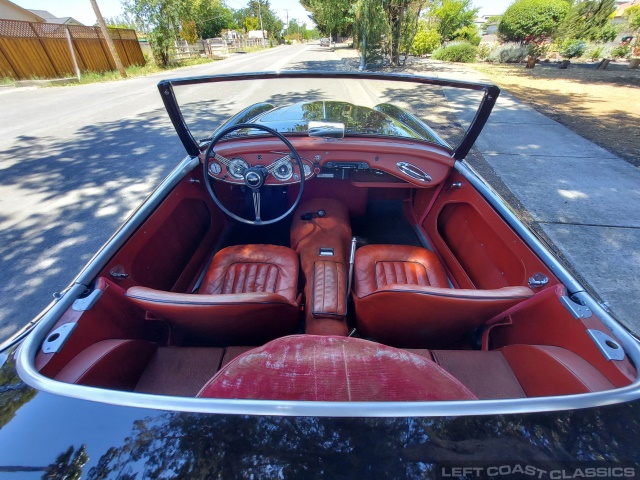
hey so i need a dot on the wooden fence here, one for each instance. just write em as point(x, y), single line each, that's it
point(43, 50)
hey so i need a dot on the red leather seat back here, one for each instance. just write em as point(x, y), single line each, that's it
point(333, 368)
point(402, 298)
point(248, 296)
point(252, 269)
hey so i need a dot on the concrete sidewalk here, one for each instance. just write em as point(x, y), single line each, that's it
point(583, 198)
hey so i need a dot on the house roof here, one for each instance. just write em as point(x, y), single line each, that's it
point(11, 11)
point(51, 18)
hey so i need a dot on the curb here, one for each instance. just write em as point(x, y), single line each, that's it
point(46, 83)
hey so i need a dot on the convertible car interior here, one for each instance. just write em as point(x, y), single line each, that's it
point(326, 268)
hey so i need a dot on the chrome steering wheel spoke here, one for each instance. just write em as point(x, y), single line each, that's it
point(254, 177)
point(256, 205)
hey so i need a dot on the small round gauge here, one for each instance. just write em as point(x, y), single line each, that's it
point(236, 168)
point(283, 171)
point(214, 168)
point(307, 170)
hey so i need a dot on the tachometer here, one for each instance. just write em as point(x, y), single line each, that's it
point(236, 168)
point(283, 171)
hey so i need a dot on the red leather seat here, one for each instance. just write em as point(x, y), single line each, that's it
point(402, 298)
point(248, 296)
point(333, 368)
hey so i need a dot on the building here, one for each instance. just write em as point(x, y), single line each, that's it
point(50, 18)
point(11, 11)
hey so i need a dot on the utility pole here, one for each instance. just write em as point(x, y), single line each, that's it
point(260, 15)
point(107, 37)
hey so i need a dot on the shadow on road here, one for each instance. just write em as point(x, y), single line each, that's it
point(63, 198)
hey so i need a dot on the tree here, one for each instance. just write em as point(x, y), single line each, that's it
point(210, 17)
point(161, 20)
point(532, 17)
point(425, 41)
point(453, 17)
point(332, 16)
point(270, 20)
point(587, 19)
point(632, 15)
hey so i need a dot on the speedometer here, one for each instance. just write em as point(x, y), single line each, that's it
point(236, 168)
point(283, 171)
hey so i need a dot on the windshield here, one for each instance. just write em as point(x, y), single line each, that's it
point(437, 112)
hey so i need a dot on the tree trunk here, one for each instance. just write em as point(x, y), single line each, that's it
point(531, 61)
point(565, 64)
point(603, 64)
point(634, 63)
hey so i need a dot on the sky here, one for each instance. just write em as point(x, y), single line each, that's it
point(81, 9)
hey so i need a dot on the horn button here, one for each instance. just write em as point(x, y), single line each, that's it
point(254, 177)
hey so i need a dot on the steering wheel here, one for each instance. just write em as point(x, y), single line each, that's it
point(254, 177)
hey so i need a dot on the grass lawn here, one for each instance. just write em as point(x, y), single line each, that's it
point(602, 106)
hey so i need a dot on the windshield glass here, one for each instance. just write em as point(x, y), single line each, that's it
point(438, 114)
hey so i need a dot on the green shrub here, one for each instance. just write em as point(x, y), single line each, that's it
point(484, 50)
point(595, 52)
point(621, 51)
point(425, 41)
point(508, 53)
point(469, 34)
point(532, 17)
point(456, 52)
point(571, 48)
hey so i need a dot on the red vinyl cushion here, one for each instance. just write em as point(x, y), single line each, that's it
point(413, 315)
point(248, 296)
point(115, 364)
point(333, 368)
point(545, 370)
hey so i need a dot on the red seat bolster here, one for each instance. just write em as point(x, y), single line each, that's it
point(544, 370)
point(115, 364)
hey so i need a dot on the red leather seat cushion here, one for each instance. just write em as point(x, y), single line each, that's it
point(253, 269)
point(377, 266)
point(333, 368)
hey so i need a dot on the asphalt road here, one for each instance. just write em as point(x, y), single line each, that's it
point(74, 162)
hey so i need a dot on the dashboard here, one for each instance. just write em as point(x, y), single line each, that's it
point(366, 162)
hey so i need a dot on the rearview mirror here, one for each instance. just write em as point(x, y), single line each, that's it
point(326, 129)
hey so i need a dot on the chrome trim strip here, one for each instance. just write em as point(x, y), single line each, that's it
point(29, 348)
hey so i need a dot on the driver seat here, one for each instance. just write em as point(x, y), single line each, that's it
point(248, 296)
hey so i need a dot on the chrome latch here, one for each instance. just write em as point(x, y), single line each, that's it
point(85, 303)
point(56, 339)
point(578, 311)
point(325, 252)
point(538, 280)
point(118, 273)
point(611, 349)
